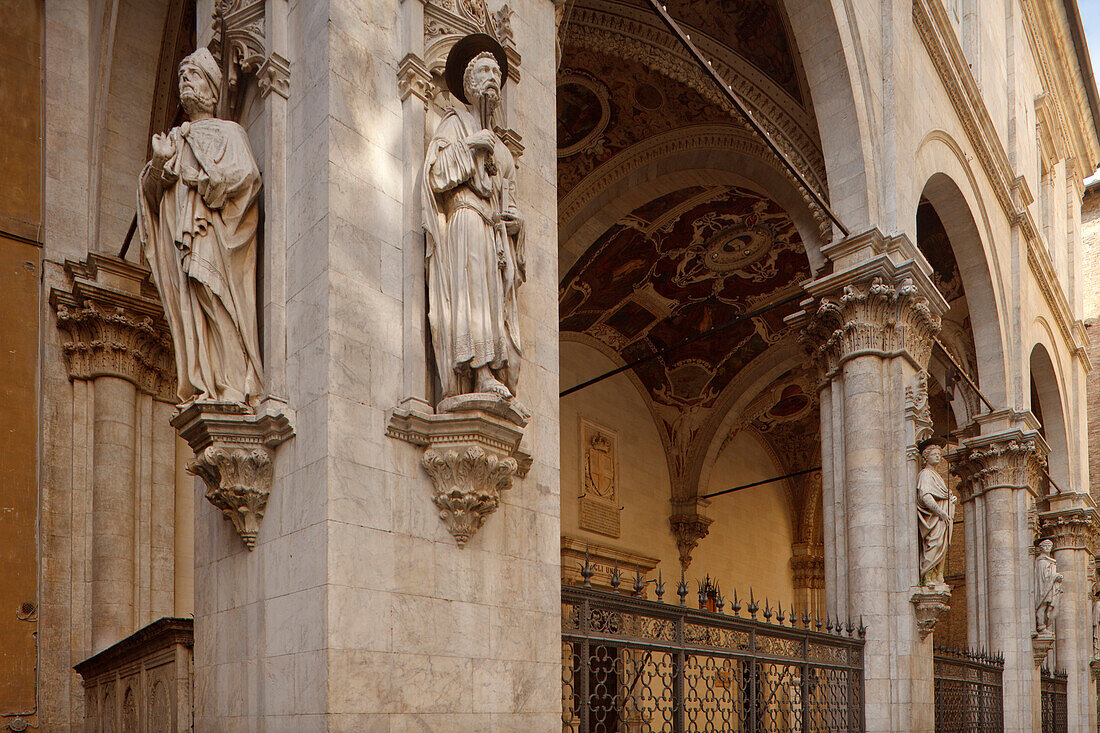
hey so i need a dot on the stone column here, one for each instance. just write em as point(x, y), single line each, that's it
point(999, 474)
point(1071, 522)
point(870, 328)
point(114, 336)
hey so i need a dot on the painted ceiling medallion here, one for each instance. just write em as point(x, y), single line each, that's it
point(584, 109)
point(736, 247)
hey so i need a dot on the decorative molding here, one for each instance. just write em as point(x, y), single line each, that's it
point(635, 33)
point(468, 482)
point(929, 604)
point(917, 409)
point(414, 79)
point(471, 457)
point(1014, 459)
point(273, 75)
point(244, 23)
point(881, 317)
point(234, 451)
point(113, 325)
point(689, 525)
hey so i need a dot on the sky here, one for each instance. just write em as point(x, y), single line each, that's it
point(1090, 16)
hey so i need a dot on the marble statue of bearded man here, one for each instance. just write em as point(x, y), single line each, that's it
point(475, 256)
point(197, 218)
point(935, 513)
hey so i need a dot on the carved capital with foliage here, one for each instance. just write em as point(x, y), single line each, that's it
point(884, 316)
point(1010, 460)
point(689, 525)
point(468, 483)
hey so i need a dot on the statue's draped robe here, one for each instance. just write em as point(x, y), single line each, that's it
point(935, 533)
point(1046, 590)
point(474, 266)
point(198, 221)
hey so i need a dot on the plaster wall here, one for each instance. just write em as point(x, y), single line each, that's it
point(749, 545)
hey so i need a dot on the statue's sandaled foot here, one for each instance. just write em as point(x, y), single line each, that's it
point(486, 382)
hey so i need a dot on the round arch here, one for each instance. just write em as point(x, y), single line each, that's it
point(955, 210)
point(1046, 388)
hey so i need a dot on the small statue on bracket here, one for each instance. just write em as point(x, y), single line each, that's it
point(475, 236)
point(935, 514)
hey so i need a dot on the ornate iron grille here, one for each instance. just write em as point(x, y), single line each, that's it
point(968, 692)
point(631, 665)
point(1055, 708)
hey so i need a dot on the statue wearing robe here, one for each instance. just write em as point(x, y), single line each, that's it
point(1048, 587)
point(197, 218)
point(475, 258)
point(936, 514)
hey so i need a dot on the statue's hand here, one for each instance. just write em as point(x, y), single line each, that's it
point(513, 220)
point(163, 149)
point(481, 140)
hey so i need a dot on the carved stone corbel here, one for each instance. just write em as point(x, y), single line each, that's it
point(1040, 645)
point(689, 525)
point(234, 448)
point(471, 456)
point(929, 604)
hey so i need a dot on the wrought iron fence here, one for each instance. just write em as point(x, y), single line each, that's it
point(1055, 709)
point(968, 692)
point(631, 665)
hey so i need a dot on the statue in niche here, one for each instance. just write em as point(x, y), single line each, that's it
point(1048, 587)
point(1096, 619)
point(475, 257)
point(197, 218)
point(935, 514)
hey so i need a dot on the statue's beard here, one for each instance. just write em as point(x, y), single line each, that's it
point(195, 102)
point(486, 100)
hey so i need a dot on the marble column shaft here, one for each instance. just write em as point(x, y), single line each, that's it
point(113, 511)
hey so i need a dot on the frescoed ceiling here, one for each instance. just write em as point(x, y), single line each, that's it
point(607, 104)
point(680, 265)
point(755, 29)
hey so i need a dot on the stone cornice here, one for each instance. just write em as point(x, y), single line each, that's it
point(1055, 76)
point(1011, 459)
point(113, 325)
point(941, 42)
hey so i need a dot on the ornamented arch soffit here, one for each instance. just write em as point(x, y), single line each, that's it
point(677, 266)
point(620, 70)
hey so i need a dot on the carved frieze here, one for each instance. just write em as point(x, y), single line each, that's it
point(883, 317)
point(113, 325)
point(234, 452)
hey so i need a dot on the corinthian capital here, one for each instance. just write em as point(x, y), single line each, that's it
point(1014, 459)
point(883, 316)
point(1071, 527)
point(113, 325)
